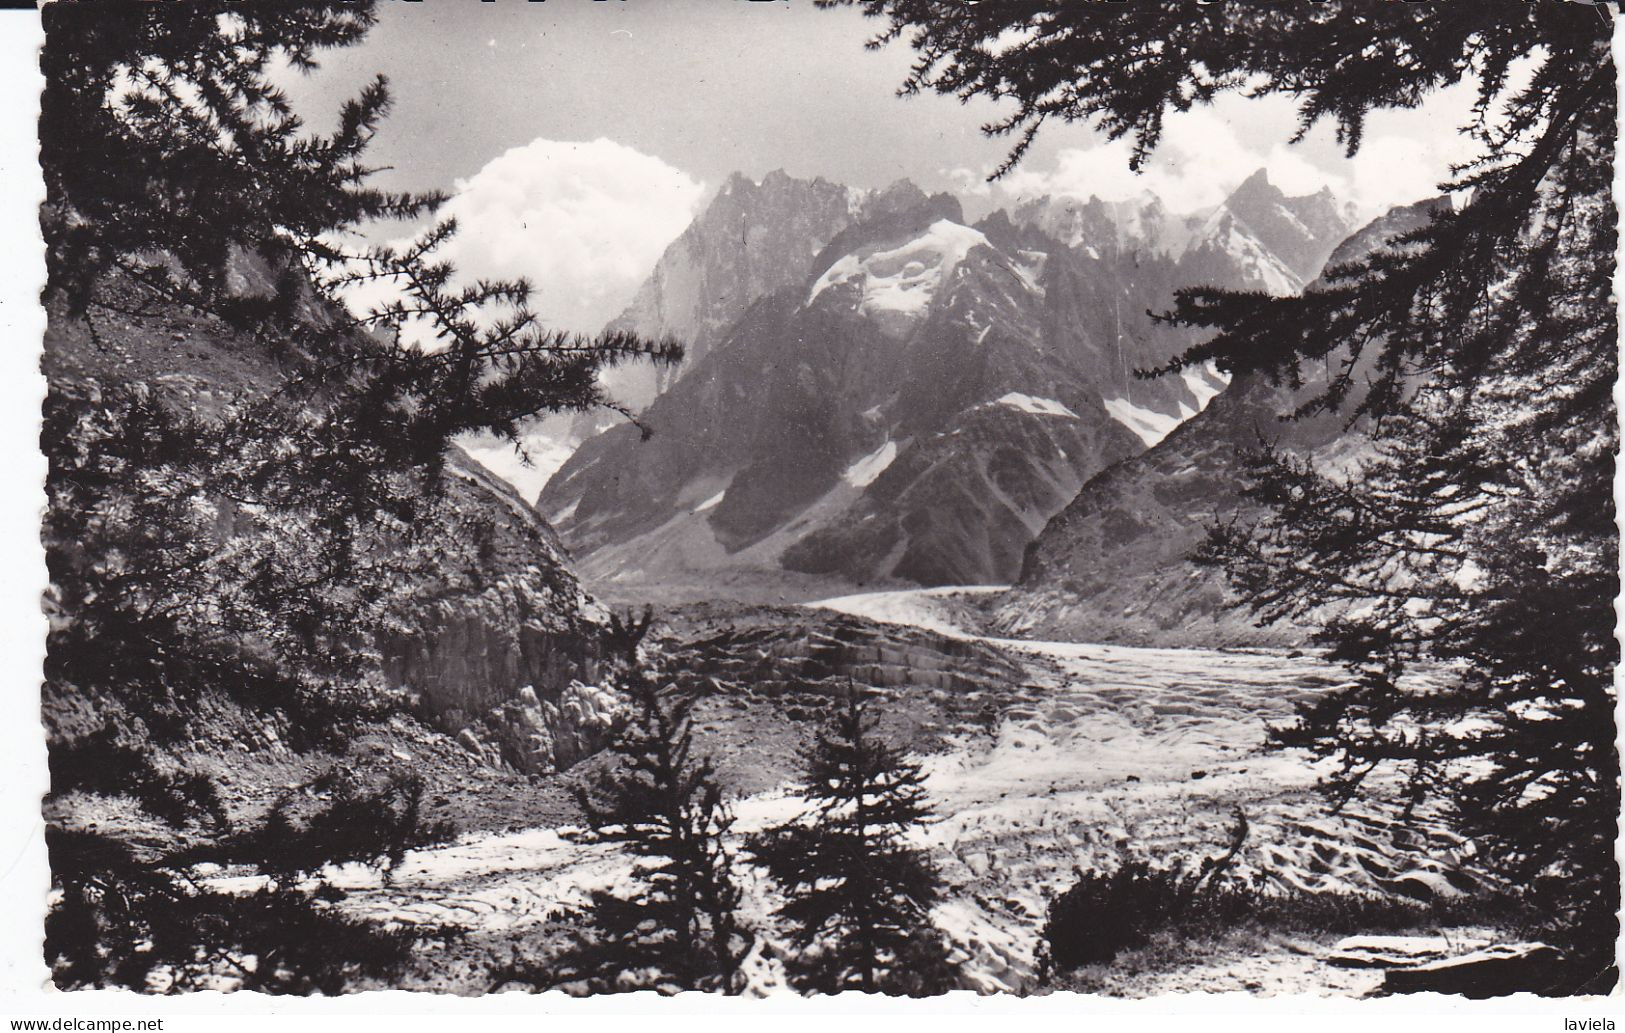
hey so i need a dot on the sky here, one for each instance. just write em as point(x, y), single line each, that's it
point(579, 137)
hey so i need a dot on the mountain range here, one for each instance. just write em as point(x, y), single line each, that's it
point(879, 391)
point(1115, 563)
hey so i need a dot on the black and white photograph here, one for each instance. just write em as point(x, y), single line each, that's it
point(790, 498)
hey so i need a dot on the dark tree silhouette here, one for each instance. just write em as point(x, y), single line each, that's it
point(228, 563)
point(1467, 571)
point(858, 897)
point(677, 929)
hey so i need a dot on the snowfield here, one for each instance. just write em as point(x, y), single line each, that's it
point(1106, 752)
point(1148, 425)
point(1035, 406)
point(896, 286)
point(862, 473)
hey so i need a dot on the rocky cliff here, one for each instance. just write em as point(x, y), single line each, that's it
point(921, 402)
point(1115, 565)
point(752, 239)
point(500, 642)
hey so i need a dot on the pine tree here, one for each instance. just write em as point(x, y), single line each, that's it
point(679, 929)
point(1467, 571)
point(236, 561)
point(859, 897)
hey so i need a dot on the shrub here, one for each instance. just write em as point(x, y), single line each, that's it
point(1104, 913)
point(1107, 912)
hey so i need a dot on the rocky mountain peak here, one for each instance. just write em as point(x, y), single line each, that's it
point(1299, 230)
point(1256, 189)
point(897, 197)
point(1115, 563)
point(752, 239)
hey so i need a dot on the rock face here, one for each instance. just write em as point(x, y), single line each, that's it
point(1496, 971)
point(922, 400)
point(508, 647)
point(501, 615)
point(751, 240)
point(1114, 564)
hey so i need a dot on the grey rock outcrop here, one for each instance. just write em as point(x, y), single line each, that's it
point(921, 401)
point(1115, 564)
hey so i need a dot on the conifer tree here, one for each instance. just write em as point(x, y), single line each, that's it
point(858, 896)
point(678, 929)
point(237, 561)
point(1467, 571)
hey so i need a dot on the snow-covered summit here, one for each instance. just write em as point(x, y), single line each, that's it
point(894, 286)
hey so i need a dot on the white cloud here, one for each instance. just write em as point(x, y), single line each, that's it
point(1198, 161)
point(968, 182)
point(1201, 159)
point(584, 222)
point(1390, 170)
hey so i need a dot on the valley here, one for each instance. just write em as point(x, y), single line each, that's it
point(1049, 758)
point(919, 462)
point(548, 551)
point(919, 465)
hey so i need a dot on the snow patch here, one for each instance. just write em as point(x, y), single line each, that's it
point(1203, 386)
point(710, 502)
point(862, 473)
point(1030, 270)
point(1036, 406)
point(901, 282)
point(1151, 426)
point(564, 514)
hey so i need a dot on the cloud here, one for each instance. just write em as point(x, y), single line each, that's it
point(968, 182)
point(584, 222)
point(1198, 162)
point(1390, 170)
point(1201, 158)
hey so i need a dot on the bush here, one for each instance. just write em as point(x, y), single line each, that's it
point(1108, 912)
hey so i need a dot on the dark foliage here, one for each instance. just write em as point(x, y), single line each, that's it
point(859, 897)
point(157, 920)
point(678, 930)
point(1104, 913)
point(1122, 67)
point(228, 559)
point(1467, 571)
point(357, 823)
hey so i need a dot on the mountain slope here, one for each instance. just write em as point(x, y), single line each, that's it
point(1114, 565)
point(916, 409)
point(752, 239)
point(498, 641)
point(1258, 238)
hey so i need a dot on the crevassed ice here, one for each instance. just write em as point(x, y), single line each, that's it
point(906, 278)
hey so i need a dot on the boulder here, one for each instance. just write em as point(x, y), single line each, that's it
point(1494, 971)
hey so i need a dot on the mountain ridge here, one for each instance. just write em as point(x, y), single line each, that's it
point(915, 407)
point(1114, 565)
